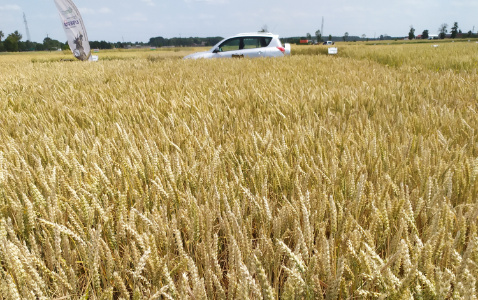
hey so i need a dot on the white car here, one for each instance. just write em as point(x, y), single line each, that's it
point(257, 44)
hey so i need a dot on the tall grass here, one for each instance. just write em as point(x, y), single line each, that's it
point(309, 177)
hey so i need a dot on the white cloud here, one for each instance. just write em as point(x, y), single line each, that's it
point(9, 7)
point(136, 17)
point(105, 10)
point(464, 4)
point(207, 1)
point(148, 2)
point(206, 17)
point(94, 11)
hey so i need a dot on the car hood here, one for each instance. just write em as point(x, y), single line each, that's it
point(198, 55)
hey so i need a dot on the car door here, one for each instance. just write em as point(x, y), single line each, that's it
point(228, 48)
point(251, 47)
point(246, 46)
point(256, 46)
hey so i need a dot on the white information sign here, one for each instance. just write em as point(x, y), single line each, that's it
point(333, 50)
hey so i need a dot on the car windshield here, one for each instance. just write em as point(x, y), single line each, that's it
point(240, 43)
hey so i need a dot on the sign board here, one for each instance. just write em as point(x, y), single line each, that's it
point(74, 29)
point(333, 50)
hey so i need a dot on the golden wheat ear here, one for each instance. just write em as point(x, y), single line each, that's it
point(145, 176)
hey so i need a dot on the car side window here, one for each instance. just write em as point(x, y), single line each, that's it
point(256, 42)
point(230, 45)
point(251, 42)
point(240, 43)
point(265, 41)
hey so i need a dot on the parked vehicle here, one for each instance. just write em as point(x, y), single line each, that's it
point(328, 43)
point(257, 44)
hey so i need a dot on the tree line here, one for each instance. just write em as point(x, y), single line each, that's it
point(181, 42)
point(13, 43)
point(455, 32)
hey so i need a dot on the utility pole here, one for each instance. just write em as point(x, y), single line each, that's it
point(322, 27)
point(26, 28)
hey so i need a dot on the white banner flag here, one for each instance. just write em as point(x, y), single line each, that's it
point(74, 29)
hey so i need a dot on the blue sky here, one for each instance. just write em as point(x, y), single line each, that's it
point(138, 20)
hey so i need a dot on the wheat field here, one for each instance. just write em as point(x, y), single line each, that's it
point(144, 176)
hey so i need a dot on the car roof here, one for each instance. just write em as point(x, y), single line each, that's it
point(256, 34)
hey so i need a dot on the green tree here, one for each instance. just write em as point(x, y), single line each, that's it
point(26, 46)
point(411, 33)
point(454, 30)
point(330, 37)
point(17, 35)
point(443, 30)
point(346, 35)
point(1, 44)
point(425, 34)
point(10, 45)
point(309, 36)
point(47, 43)
point(318, 35)
point(51, 44)
point(11, 42)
